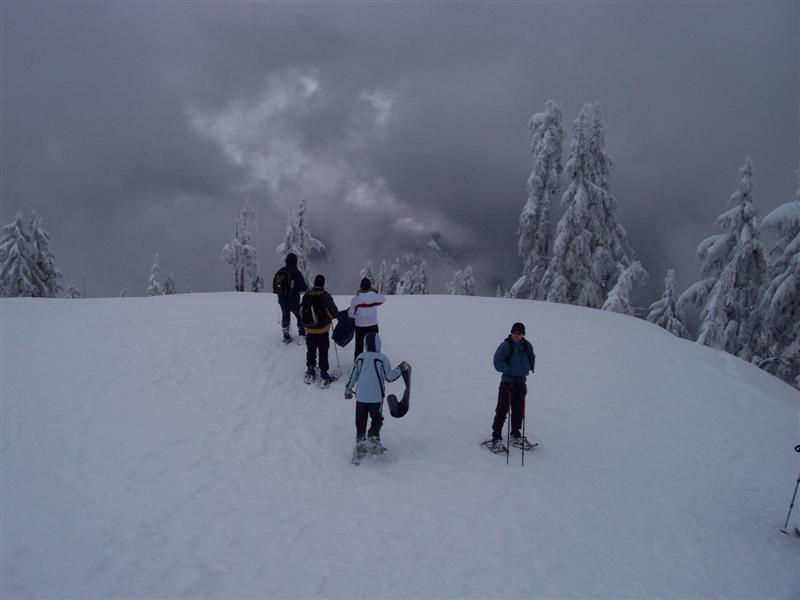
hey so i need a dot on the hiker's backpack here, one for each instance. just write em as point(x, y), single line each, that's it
point(312, 310)
point(282, 283)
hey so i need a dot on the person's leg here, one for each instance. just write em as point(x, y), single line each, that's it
point(285, 312)
point(376, 418)
point(296, 312)
point(311, 351)
point(362, 411)
point(323, 344)
point(360, 333)
point(500, 411)
point(518, 392)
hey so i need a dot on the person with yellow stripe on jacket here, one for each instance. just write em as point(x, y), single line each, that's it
point(318, 311)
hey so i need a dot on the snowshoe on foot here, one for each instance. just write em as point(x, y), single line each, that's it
point(311, 375)
point(520, 441)
point(495, 446)
point(325, 379)
point(360, 451)
point(375, 446)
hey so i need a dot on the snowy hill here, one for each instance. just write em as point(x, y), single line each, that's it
point(167, 447)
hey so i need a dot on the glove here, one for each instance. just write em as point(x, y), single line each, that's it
point(348, 395)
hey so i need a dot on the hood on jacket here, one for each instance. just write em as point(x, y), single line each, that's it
point(372, 342)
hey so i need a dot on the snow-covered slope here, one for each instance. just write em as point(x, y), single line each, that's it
point(167, 447)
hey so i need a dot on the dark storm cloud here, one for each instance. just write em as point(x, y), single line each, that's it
point(141, 127)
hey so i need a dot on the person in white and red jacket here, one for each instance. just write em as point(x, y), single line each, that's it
point(364, 310)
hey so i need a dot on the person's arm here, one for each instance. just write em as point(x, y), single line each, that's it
point(302, 286)
point(390, 373)
point(354, 374)
point(351, 312)
point(500, 363)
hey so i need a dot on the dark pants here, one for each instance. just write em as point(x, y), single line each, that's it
point(287, 312)
point(361, 333)
point(317, 342)
point(373, 410)
point(510, 394)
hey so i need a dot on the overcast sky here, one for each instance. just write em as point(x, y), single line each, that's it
point(136, 128)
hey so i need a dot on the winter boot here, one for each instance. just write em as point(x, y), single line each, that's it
point(286, 336)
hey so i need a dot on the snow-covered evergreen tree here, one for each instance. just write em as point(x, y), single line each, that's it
point(154, 284)
point(463, 283)
point(393, 280)
point(456, 285)
point(367, 272)
point(544, 183)
point(298, 239)
point(383, 275)
point(239, 253)
point(469, 281)
point(619, 298)
point(665, 313)
point(16, 278)
point(168, 284)
point(73, 291)
point(591, 248)
point(27, 266)
point(780, 304)
point(415, 281)
point(733, 270)
point(43, 264)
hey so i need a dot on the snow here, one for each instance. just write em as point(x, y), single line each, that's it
point(166, 447)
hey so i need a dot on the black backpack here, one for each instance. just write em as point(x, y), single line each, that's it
point(312, 310)
point(282, 283)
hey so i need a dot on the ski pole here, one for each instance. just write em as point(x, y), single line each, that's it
point(508, 430)
point(791, 506)
point(522, 446)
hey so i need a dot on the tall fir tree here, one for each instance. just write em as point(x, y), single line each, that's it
point(393, 280)
point(734, 271)
point(155, 286)
point(619, 298)
point(298, 239)
point(383, 275)
point(780, 304)
point(367, 272)
point(591, 248)
point(544, 184)
point(43, 265)
point(239, 253)
point(16, 278)
point(665, 313)
point(463, 283)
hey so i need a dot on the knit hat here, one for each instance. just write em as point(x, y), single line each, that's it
point(518, 328)
point(291, 259)
point(366, 284)
point(319, 281)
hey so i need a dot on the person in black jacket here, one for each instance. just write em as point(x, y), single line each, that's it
point(318, 311)
point(289, 294)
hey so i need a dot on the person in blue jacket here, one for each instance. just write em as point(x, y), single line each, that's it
point(289, 295)
point(370, 372)
point(514, 358)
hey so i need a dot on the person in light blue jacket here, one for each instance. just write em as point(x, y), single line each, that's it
point(370, 372)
